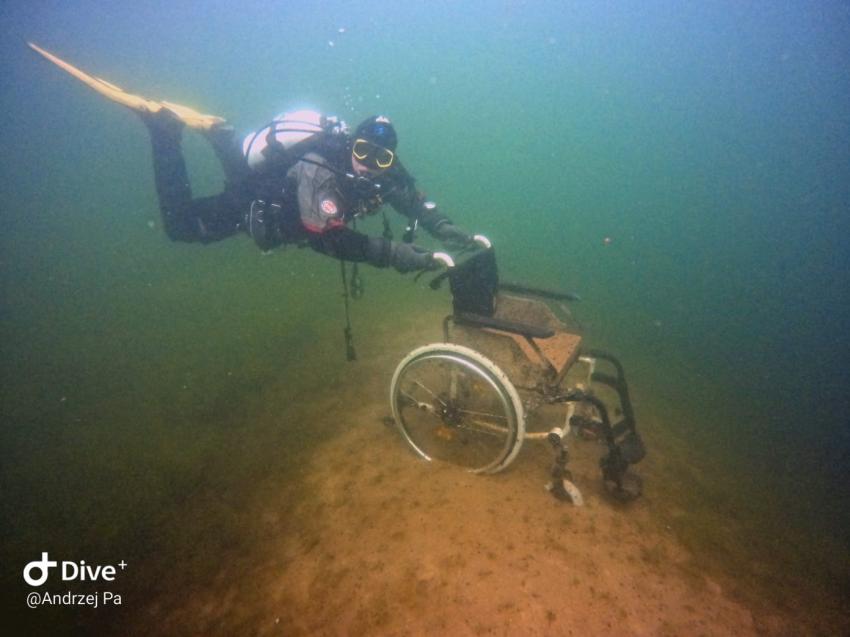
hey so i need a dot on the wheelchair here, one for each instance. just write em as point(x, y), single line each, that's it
point(512, 368)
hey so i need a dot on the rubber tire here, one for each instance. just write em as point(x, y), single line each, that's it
point(486, 369)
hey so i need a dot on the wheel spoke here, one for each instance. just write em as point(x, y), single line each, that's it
point(419, 405)
point(416, 382)
point(484, 428)
point(481, 414)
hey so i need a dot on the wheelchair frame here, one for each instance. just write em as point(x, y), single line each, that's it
point(467, 400)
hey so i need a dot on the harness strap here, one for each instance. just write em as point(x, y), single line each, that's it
point(350, 353)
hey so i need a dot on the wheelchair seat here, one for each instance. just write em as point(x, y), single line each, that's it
point(560, 350)
point(515, 324)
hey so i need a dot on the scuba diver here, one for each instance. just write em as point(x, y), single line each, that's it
point(303, 179)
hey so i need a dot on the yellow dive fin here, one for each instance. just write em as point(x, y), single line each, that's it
point(191, 117)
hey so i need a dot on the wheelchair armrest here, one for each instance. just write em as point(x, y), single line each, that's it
point(544, 294)
point(478, 320)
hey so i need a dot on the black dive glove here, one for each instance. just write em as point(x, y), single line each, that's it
point(452, 236)
point(406, 257)
point(457, 239)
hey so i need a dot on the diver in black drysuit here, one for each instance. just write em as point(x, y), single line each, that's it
point(302, 195)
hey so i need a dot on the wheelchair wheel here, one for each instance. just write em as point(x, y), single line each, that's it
point(453, 404)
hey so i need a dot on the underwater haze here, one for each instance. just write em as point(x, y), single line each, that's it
point(683, 167)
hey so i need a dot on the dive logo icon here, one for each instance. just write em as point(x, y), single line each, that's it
point(43, 566)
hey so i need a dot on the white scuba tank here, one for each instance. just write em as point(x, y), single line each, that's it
point(290, 128)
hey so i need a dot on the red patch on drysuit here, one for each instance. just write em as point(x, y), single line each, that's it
point(331, 224)
point(329, 207)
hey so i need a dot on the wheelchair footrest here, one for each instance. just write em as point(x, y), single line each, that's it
point(566, 491)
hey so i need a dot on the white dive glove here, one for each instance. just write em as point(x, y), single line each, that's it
point(443, 259)
point(482, 241)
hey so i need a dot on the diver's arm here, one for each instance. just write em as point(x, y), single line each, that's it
point(413, 204)
point(349, 245)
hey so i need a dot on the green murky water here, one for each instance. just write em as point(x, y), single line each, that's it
point(708, 144)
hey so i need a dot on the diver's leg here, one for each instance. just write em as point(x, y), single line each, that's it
point(206, 219)
point(217, 217)
point(229, 153)
point(222, 216)
point(170, 175)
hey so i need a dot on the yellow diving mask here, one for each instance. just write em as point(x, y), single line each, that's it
point(371, 155)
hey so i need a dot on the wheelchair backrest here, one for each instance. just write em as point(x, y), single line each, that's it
point(474, 284)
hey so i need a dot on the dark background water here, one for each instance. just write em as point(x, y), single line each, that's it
point(708, 142)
